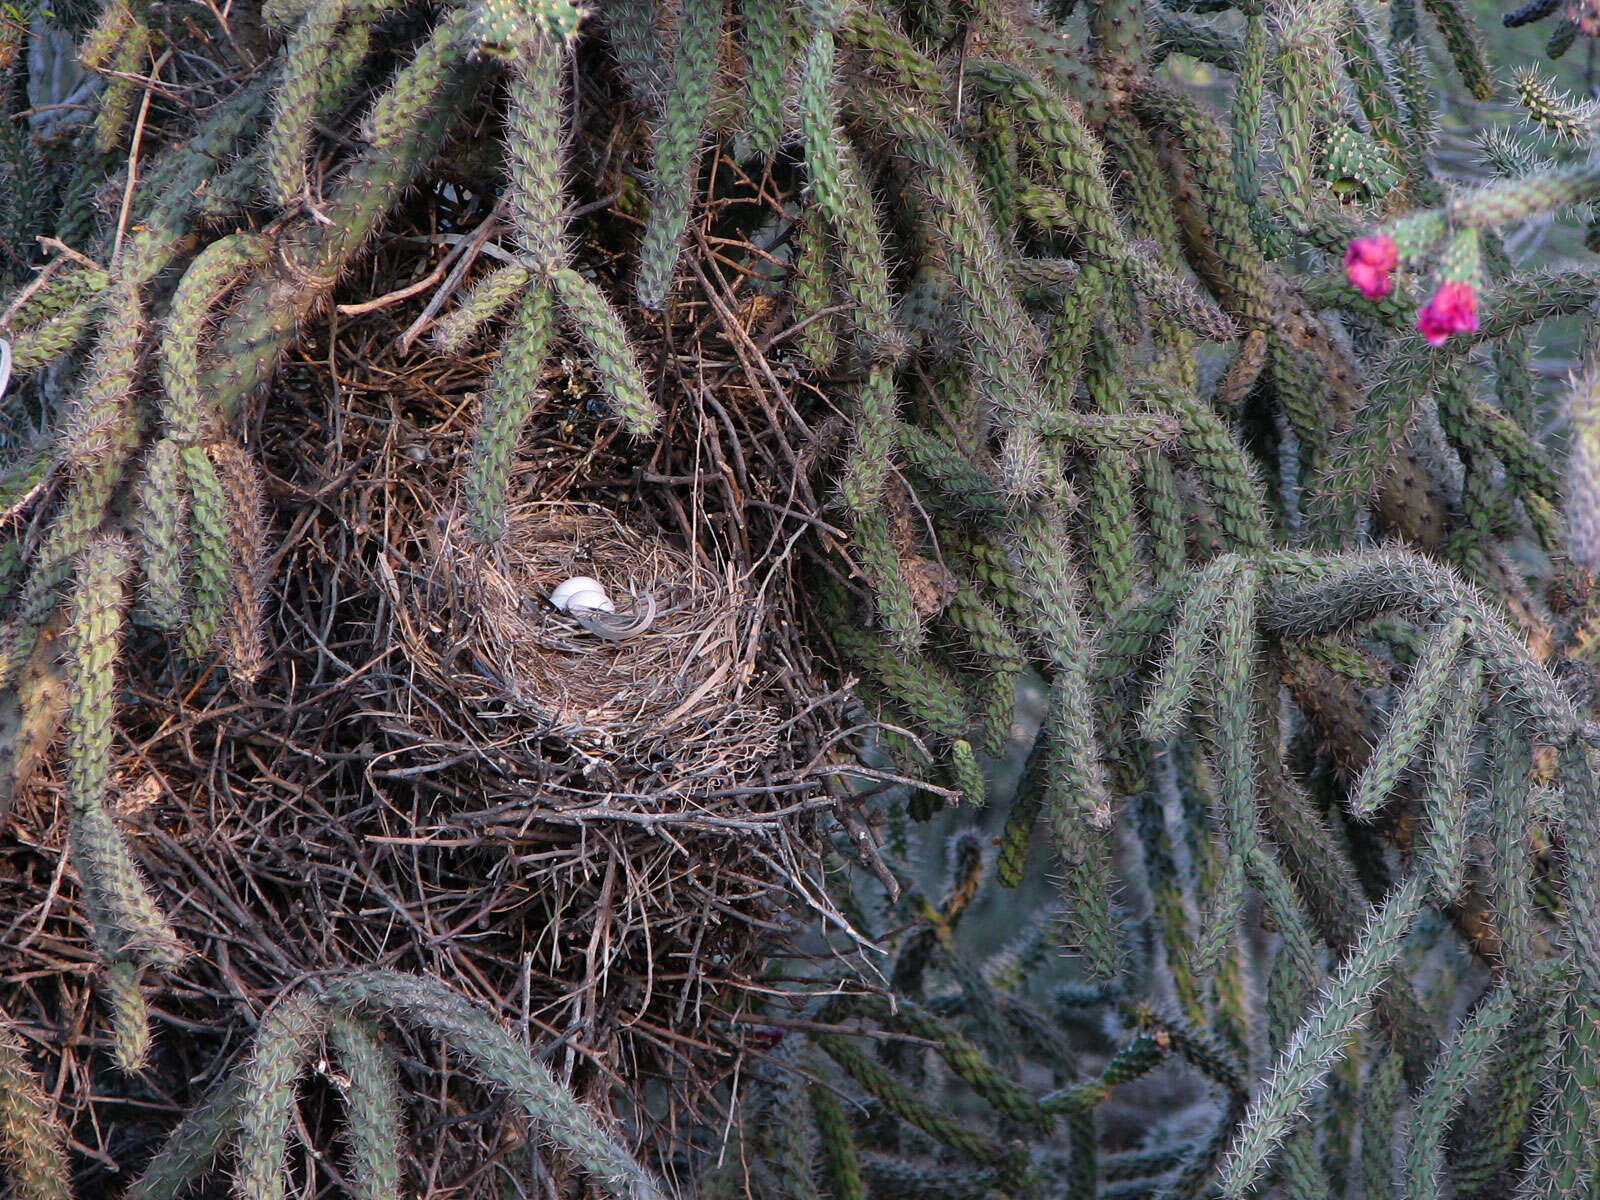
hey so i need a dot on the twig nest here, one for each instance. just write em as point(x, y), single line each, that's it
point(646, 673)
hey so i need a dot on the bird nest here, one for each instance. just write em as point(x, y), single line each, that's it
point(664, 706)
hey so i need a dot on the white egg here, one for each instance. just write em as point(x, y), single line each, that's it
point(581, 592)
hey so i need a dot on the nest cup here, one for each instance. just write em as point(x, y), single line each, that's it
point(665, 709)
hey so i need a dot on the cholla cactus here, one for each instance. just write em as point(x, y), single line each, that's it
point(1118, 422)
point(253, 1107)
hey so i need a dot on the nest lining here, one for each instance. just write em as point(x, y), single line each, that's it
point(479, 619)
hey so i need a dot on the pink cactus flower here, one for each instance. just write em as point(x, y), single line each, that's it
point(1368, 264)
point(1453, 309)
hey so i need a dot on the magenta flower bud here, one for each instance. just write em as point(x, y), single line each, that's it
point(1369, 263)
point(1453, 309)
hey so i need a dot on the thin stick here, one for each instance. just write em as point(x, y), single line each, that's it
point(133, 157)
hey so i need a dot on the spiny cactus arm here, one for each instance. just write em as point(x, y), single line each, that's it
point(1423, 694)
point(126, 921)
point(1515, 390)
point(54, 319)
point(77, 520)
point(175, 188)
point(1131, 639)
point(1583, 463)
point(1113, 537)
point(952, 473)
point(1444, 798)
point(1231, 262)
point(1550, 109)
point(1305, 84)
point(1529, 12)
point(879, 558)
point(1566, 1152)
point(98, 438)
point(281, 1051)
point(965, 773)
point(1493, 1131)
point(1016, 837)
point(244, 491)
point(1510, 760)
point(770, 34)
point(1168, 900)
point(1413, 79)
point(1026, 463)
point(1057, 138)
point(316, 67)
point(1305, 1061)
point(1507, 200)
point(1003, 339)
point(1580, 833)
point(66, 289)
point(887, 51)
point(1234, 734)
point(31, 1136)
point(163, 507)
point(871, 457)
point(783, 1127)
point(616, 364)
point(1164, 517)
point(213, 270)
point(512, 394)
point(1319, 865)
point(129, 60)
point(1405, 379)
point(1092, 918)
point(994, 156)
point(1081, 802)
point(1133, 1060)
point(130, 1018)
point(1297, 942)
point(471, 1033)
point(535, 121)
point(812, 288)
point(1523, 458)
point(417, 112)
point(1183, 308)
point(1221, 464)
point(1465, 44)
point(677, 146)
point(48, 340)
point(1216, 946)
point(1173, 687)
point(635, 38)
point(208, 527)
point(875, 1079)
point(1463, 1061)
point(842, 198)
point(480, 305)
point(964, 1058)
point(1379, 1106)
point(1368, 585)
point(1364, 64)
point(924, 689)
point(841, 1160)
point(102, 38)
point(372, 1105)
point(194, 1145)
